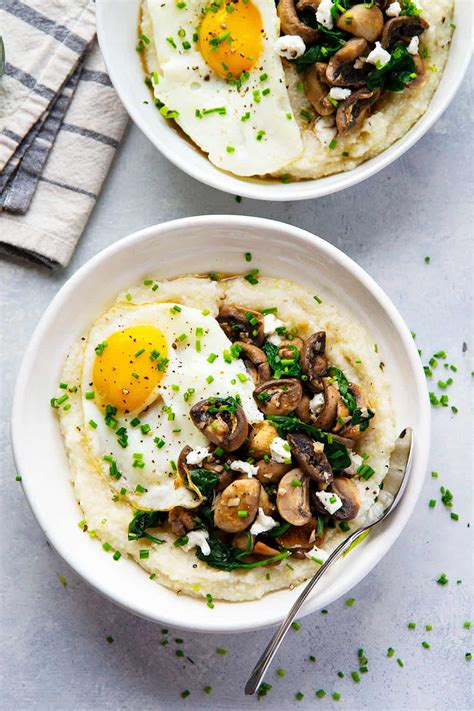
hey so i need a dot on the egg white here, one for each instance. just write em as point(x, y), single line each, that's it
point(187, 83)
point(188, 368)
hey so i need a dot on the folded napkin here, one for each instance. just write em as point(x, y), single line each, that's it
point(60, 124)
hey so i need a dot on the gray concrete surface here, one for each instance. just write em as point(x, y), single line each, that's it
point(54, 649)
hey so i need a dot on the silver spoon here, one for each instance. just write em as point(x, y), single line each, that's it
point(394, 483)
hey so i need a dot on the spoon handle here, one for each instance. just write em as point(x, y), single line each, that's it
point(272, 648)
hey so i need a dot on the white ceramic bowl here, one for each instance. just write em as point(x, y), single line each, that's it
point(191, 245)
point(117, 33)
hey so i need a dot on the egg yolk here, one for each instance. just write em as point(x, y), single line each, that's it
point(128, 367)
point(231, 38)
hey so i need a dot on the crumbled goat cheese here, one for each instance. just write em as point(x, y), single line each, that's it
point(414, 45)
point(318, 554)
point(327, 500)
point(356, 461)
point(244, 467)
point(323, 14)
point(339, 94)
point(197, 456)
point(325, 129)
point(199, 539)
point(271, 323)
point(378, 56)
point(262, 523)
point(393, 10)
point(316, 403)
point(290, 46)
point(280, 450)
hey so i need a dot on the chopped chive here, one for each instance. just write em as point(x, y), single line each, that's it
point(222, 652)
point(295, 626)
point(350, 601)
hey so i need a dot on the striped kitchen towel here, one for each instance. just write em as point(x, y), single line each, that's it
point(60, 125)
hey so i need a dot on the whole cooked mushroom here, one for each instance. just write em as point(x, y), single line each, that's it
point(181, 520)
point(241, 324)
point(255, 362)
point(311, 458)
point(347, 491)
point(402, 29)
point(362, 21)
point(352, 112)
point(292, 25)
point(237, 506)
point(278, 397)
point(293, 498)
point(324, 418)
point(261, 436)
point(346, 68)
point(289, 348)
point(317, 88)
point(313, 360)
point(222, 423)
point(271, 472)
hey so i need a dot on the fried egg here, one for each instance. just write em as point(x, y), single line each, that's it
point(221, 78)
point(144, 367)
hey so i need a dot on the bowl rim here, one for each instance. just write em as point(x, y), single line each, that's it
point(298, 190)
point(394, 525)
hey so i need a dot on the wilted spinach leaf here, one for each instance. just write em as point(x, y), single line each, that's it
point(333, 41)
point(143, 520)
point(361, 419)
point(396, 74)
point(225, 557)
point(343, 387)
point(205, 481)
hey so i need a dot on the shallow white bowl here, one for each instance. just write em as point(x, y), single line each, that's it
point(117, 32)
point(193, 245)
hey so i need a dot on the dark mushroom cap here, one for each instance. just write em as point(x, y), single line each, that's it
point(278, 397)
point(310, 458)
point(224, 426)
point(241, 324)
point(352, 112)
point(342, 68)
point(292, 25)
point(402, 29)
point(293, 501)
point(181, 520)
point(347, 491)
point(317, 89)
point(362, 21)
point(255, 362)
point(241, 495)
point(313, 361)
point(303, 411)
